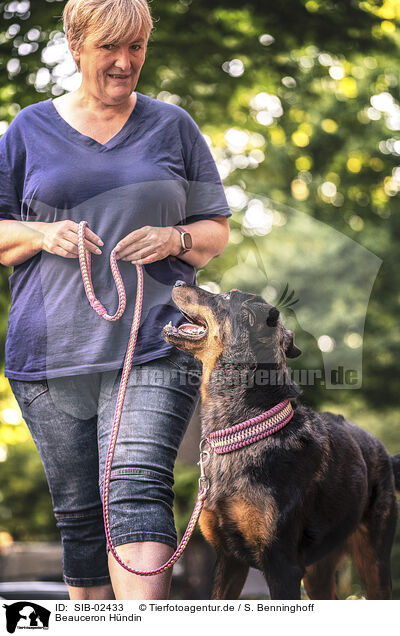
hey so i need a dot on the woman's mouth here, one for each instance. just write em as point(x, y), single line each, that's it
point(118, 77)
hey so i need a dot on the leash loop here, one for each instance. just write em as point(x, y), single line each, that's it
point(85, 265)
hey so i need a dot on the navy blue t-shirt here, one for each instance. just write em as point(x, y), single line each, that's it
point(158, 171)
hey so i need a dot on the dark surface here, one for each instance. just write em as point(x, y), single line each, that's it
point(33, 590)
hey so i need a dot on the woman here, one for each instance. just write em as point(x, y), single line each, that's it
point(133, 167)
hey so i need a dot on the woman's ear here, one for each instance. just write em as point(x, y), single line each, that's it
point(74, 48)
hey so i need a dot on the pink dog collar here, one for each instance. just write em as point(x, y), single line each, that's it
point(250, 431)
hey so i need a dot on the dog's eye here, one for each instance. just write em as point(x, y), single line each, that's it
point(226, 296)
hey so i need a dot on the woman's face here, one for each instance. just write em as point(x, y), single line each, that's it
point(110, 72)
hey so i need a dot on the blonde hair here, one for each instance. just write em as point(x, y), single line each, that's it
point(107, 20)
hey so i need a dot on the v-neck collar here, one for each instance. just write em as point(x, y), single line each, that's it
point(74, 134)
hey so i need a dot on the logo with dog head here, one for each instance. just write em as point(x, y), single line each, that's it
point(26, 615)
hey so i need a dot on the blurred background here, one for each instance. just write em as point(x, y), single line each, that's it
point(299, 103)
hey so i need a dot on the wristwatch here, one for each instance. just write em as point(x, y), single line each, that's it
point(186, 240)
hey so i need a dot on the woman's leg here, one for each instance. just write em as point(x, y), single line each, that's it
point(160, 400)
point(145, 555)
point(94, 593)
point(67, 445)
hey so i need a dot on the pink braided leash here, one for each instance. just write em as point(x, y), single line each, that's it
point(85, 265)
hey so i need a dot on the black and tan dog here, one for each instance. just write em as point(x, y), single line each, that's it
point(294, 504)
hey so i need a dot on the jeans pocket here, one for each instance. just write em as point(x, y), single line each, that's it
point(188, 367)
point(26, 392)
point(183, 360)
point(108, 388)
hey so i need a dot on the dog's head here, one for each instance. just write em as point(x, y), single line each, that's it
point(237, 328)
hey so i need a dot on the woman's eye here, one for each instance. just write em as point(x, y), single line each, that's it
point(108, 47)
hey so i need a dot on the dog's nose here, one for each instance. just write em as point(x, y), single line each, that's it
point(179, 283)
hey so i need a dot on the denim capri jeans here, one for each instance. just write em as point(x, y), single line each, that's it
point(70, 419)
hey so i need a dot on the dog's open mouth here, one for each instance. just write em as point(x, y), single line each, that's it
point(194, 330)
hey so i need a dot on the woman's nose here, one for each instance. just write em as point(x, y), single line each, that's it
point(123, 61)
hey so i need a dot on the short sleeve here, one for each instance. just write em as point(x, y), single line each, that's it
point(10, 205)
point(206, 197)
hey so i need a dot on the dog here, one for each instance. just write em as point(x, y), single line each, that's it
point(295, 503)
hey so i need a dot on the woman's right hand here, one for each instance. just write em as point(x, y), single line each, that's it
point(61, 238)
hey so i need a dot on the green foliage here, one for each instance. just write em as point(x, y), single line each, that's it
point(185, 489)
point(25, 507)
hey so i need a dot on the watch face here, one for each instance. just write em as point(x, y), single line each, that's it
point(187, 240)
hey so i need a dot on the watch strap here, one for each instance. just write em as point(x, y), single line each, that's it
point(182, 232)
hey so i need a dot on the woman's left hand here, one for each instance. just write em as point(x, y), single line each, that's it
point(148, 244)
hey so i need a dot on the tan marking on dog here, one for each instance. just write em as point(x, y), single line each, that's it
point(320, 577)
point(209, 349)
point(367, 565)
point(208, 523)
point(257, 526)
point(212, 347)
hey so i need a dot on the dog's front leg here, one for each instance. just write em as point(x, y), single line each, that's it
point(283, 576)
point(229, 577)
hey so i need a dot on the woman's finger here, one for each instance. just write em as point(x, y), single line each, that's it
point(141, 252)
point(64, 247)
point(134, 237)
point(155, 242)
point(73, 238)
point(151, 258)
point(89, 235)
point(92, 237)
point(133, 249)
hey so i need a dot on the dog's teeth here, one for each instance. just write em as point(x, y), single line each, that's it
point(191, 330)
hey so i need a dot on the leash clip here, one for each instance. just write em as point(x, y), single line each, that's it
point(204, 482)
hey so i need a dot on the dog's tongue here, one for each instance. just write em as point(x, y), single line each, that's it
point(190, 327)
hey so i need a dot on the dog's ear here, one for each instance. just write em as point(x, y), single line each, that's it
point(273, 317)
point(291, 350)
